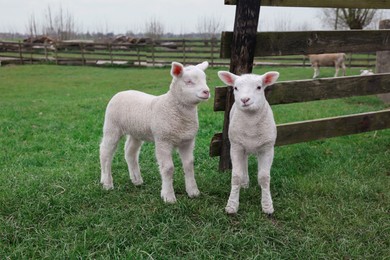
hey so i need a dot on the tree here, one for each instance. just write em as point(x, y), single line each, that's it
point(32, 26)
point(352, 18)
point(154, 29)
point(60, 25)
point(209, 27)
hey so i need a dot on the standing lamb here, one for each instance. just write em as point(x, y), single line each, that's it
point(252, 130)
point(169, 120)
point(328, 59)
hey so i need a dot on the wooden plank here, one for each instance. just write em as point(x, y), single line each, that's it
point(371, 4)
point(298, 132)
point(311, 130)
point(310, 90)
point(383, 61)
point(289, 43)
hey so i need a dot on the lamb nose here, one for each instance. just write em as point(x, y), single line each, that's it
point(244, 100)
point(206, 92)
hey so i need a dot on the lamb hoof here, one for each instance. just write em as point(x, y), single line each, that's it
point(138, 182)
point(230, 210)
point(169, 198)
point(268, 210)
point(108, 186)
point(193, 193)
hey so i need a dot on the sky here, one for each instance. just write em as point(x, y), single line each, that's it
point(120, 16)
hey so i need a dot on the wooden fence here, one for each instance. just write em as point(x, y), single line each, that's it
point(87, 53)
point(187, 51)
point(244, 43)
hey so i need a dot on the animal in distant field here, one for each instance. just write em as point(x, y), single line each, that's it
point(366, 72)
point(169, 120)
point(252, 130)
point(328, 59)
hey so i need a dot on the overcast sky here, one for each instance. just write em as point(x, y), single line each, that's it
point(119, 16)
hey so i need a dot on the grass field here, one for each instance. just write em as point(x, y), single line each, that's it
point(331, 197)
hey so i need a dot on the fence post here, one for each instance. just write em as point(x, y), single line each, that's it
point(82, 53)
point(184, 52)
point(153, 58)
point(31, 53)
point(138, 57)
point(45, 45)
point(20, 53)
point(109, 46)
point(383, 61)
point(242, 56)
point(56, 53)
point(212, 52)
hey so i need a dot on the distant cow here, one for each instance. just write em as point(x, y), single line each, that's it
point(328, 59)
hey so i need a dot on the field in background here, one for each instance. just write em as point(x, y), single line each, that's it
point(331, 197)
point(151, 54)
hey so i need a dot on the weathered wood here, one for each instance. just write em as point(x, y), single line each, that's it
point(216, 145)
point(82, 50)
point(212, 51)
point(383, 61)
point(109, 47)
point(372, 4)
point(242, 56)
point(331, 127)
point(288, 43)
point(311, 130)
point(319, 89)
point(20, 53)
point(46, 54)
point(184, 52)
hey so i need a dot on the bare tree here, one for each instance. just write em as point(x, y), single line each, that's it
point(209, 27)
point(379, 16)
point(348, 18)
point(59, 25)
point(32, 26)
point(285, 23)
point(154, 29)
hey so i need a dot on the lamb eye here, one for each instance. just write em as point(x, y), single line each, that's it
point(235, 88)
point(189, 82)
point(258, 87)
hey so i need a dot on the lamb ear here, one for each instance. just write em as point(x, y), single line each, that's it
point(227, 77)
point(270, 78)
point(177, 69)
point(203, 66)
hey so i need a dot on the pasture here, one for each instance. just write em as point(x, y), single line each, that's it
point(331, 197)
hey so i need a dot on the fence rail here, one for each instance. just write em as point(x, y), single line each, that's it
point(187, 51)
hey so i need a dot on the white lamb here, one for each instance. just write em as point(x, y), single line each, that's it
point(252, 130)
point(169, 120)
point(366, 72)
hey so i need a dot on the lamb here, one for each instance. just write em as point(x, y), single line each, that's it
point(169, 120)
point(252, 130)
point(328, 59)
point(366, 72)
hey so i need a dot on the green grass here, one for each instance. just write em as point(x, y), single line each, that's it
point(331, 197)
